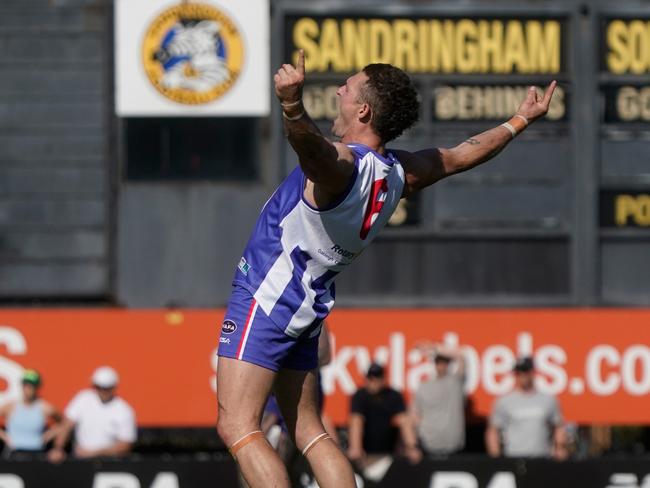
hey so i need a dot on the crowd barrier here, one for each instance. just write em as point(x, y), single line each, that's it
point(220, 472)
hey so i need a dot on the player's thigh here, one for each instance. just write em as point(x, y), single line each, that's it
point(242, 391)
point(249, 347)
point(297, 395)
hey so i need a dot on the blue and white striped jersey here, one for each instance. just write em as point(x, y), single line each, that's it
point(296, 251)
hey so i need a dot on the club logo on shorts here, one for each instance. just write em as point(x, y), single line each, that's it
point(192, 53)
point(228, 327)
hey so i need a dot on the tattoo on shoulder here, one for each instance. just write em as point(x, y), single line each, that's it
point(472, 141)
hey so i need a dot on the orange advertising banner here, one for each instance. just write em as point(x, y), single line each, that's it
point(596, 361)
point(165, 360)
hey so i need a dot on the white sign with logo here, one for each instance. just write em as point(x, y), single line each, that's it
point(192, 58)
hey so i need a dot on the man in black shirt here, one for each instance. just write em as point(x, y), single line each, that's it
point(377, 418)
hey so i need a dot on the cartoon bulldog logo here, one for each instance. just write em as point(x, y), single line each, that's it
point(192, 53)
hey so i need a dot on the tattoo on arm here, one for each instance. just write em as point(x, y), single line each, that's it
point(472, 141)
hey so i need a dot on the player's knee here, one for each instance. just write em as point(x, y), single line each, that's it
point(226, 429)
point(307, 433)
point(232, 427)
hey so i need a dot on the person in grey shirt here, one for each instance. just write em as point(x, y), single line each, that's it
point(438, 409)
point(526, 422)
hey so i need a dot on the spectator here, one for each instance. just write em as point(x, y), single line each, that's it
point(527, 422)
point(438, 409)
point(27, 419)
point(378, 416)
point(104, 423)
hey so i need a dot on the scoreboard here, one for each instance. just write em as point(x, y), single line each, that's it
point(624, 135)
point(561, 216)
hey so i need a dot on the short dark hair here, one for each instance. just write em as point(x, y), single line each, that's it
point(524, 364)
point(375, 371)
point(393, 99)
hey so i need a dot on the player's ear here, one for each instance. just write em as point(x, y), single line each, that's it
point(364, 113)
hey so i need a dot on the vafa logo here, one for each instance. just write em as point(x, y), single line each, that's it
point(228, 326)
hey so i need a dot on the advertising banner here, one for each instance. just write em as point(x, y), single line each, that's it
point(596, 361)
point(154, 473)
point(192, 58)
point(165, 360)
point(460, 472)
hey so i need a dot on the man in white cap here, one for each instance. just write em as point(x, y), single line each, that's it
point(104, 423)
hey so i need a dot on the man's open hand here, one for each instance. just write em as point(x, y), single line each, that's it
point(289, 80)
point(536, 106)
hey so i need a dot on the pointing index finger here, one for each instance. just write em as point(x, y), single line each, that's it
point(301, 62)
point(549, 92)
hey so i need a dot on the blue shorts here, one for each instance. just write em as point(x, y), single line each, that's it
point(249, 335)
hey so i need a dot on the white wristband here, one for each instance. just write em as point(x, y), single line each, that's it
point(509, 126)
point(290, 104)
point(295, 117)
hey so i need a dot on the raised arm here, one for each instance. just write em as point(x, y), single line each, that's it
point(456, 354)
point(430, 350)
point(424, 168)
point(328, 165)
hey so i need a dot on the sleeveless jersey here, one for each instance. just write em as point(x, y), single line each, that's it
point(25, 426)
point(296, 251)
